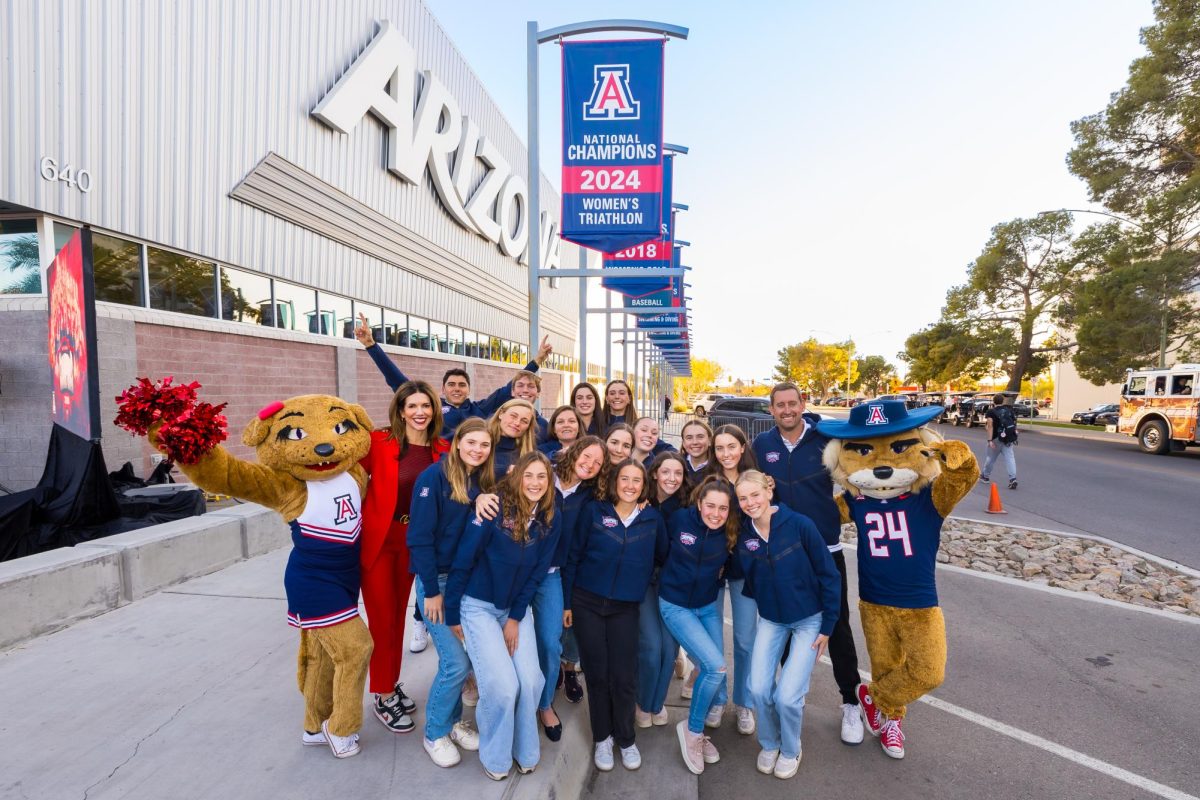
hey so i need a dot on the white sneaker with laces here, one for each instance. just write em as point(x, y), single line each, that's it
point(631, 757)
point(443, 752)
point(787, 767)
point(314, 739)
point(604, 755)
point(420, 637)
point(852, 726)
point(713, 719)
point(342, 746)
point(766, 761)
point(465, 736)
point(662, 717)
point(745, 721)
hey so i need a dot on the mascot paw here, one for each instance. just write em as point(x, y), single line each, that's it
point(952, 453)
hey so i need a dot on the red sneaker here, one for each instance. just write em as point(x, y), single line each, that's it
point(870, 714)
point(892, 739)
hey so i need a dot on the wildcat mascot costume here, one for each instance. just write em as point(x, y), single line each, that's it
point(900, 480)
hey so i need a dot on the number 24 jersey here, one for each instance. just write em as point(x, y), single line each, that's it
point(898, 541)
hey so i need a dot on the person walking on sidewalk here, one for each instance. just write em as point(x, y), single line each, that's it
point(666, 408)
point(1001, 424)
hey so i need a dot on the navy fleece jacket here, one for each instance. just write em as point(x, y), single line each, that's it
point(801, 481)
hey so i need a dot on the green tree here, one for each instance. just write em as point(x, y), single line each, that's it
point(874, 373)
point(816, 366)
point(705, 373)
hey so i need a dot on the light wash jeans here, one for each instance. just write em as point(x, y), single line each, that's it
point(444, 707)
point(997, 448)
point(745, 622)
point(547, 608)
point(509, 686)
point(701, 632)
point(780, 706)
point(656, 654)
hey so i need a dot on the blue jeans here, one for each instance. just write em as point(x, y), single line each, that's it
point(509, 686)
point(547, 608)
point(997, 448)
point(444, 707)
point(745, 621)
point(780, 707)
point(701, 632)
point(656, 654)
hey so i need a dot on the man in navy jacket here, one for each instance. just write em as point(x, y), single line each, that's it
point(791, 454)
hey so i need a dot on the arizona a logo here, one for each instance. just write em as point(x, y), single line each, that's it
point(875, 416)
point(345, 509)
point(611, 97)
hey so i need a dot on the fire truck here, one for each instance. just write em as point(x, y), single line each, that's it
point(1161, 408)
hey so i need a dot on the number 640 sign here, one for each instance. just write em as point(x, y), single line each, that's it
point(50, 170)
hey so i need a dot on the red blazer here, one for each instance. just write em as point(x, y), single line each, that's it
point(379, 506)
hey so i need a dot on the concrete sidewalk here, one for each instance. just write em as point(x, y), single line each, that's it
point(191, 693)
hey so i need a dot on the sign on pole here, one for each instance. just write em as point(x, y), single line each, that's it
point(647, 254)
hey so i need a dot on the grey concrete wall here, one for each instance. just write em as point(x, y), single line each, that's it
point(25, 389)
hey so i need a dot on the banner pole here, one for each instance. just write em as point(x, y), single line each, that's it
point(583, 321)
point(608, 336)
point(535, 182)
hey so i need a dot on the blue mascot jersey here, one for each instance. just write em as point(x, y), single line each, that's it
point(322, 576)
point(898, 541)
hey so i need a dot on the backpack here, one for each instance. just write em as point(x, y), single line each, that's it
point(1006, 423)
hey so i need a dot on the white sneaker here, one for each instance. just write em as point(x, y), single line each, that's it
point(787, 767)
point(685, 691)
point(713, 719)
point(766, 761)
point(682, 665)
point(465, 736)
point(420, 637)
point(662, 717)
point(745, 721)
point(641, 718)
point(631, 757)
point(852, 727)
point(314, 739)
point(342, 746)
point(443, 752)
point(604, 755)
point(470, 692)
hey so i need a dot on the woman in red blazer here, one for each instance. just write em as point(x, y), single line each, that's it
point(398, 455)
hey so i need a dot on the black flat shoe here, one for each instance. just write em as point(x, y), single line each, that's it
point(553, 732)
point(571, 687)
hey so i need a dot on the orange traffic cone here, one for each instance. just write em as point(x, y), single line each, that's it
point(994, 504)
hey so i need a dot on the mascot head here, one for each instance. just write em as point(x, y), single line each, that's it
point(312, 437)
point(883, 450)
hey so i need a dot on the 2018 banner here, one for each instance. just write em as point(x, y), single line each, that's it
point(648, 254)
point(612, 176)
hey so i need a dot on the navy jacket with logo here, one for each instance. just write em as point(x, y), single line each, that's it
point(569, 508)
point(791, 575)
point(801, 482)
point(492, 566)
point(435, 523)
point(610, 560)
point(695, 556)
point(504, 455)
point(898, 541)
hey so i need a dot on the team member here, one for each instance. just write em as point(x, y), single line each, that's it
point(697, 444)
point(398, 455)
point(565, 427)
point(619, 442)
point(441, 506)
point(513, 434)
point(646, 441)
point(656, 645)
point(527, 385)
point(496, 572)
point(797, 588)
point(700, 539)
point(586, 401)
point(666, 417)
point(1001, 424)
point(618, 405)
point(456, 383)
point(613, 553)
point(791, 454)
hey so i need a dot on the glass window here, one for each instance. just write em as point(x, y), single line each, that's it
point(1160, 385)
point(1137, 386)
point(245, 297)
point(417, 335)
point(20, 264)
point(1182, 384)
point(337, 316)
point(454, 339)
point(395, 326)
point(118, 267)
point(374, 315)
point(62, 234)
point(181, 284)
point(295, 308)
point(437, 337)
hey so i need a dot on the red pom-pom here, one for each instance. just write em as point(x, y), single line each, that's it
point(142, 405)
point(194, 433)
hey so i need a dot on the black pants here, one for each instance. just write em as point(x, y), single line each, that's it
point(841, 644)
point(607, 633)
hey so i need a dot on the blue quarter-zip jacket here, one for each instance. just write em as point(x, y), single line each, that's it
point(801, 481)
point(551, 447)
point(695, 556)
point(452, 416)
point(610, 560)
point(658, 448)
point(504, 455)
point(791, 575)
point(435, 523)
point(569, 508)
point(492, 566)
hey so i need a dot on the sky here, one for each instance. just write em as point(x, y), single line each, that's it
point(847, 159)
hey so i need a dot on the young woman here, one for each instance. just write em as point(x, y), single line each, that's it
point(700, 538)
point(798, 590)
point(613, 553)
point(586, 401)
point(731, 457)
point(697, 444)
point(646, 441)
point(656, 645)
point(399, 453)
point(496, 572)
point(618, 405)
point(618, 445)
point(441, 506)
point(513, 434)
point(565, 427)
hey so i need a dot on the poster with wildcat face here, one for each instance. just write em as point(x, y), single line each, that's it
point(75, 403)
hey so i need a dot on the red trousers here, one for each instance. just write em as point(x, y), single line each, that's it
point(385, 588)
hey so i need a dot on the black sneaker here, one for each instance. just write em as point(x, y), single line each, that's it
point(985, 478)
point(1012, 484)
point(406, 702)
point(571, 687)
point(392, 715)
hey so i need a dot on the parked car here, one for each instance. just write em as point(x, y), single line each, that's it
point(751, 414)
point(1089, 417)
point(1024, 407)
point(961, 410)
point(1107, 418)
point(704, 403)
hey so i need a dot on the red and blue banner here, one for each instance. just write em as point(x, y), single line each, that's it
point(612, 178)
point(655, 254)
